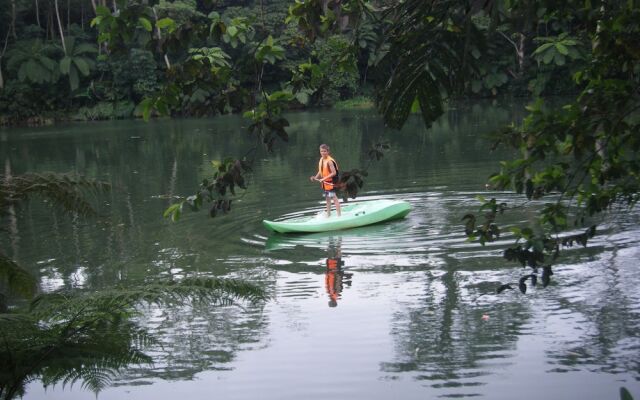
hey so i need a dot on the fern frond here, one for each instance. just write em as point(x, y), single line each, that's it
point(85, 336)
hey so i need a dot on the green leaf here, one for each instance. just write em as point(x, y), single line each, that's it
point(146, 24)
point(624, 394)
point(166, 23)
point(103, 11)
point(543, 48)
point(147, 106)
point(562, 49)
point(303, 97)
point(84, 48)
point(74, 79)
point(83, 65)
point(171, 210)
point(65, 65)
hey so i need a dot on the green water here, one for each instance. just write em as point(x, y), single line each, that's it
point(402, 317)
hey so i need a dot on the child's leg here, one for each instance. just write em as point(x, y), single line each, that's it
point(328, 205)
point(336, 201)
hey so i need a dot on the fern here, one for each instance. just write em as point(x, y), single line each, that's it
point(89, 337)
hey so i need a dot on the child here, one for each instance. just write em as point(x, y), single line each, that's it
point(327, 170)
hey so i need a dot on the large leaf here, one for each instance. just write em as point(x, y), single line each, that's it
point(83, 65)
point(145, 23)
point(69, 43)
point(65, 65)
point(85, 48)
point(34, 72)
point(74, 79)
point(166, 23)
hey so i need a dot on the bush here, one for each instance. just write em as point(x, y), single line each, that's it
point(358, 102)
point(105, 110)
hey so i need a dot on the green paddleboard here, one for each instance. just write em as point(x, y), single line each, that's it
point(353, 215)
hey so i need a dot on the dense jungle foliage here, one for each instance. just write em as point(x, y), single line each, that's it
point(99, 59)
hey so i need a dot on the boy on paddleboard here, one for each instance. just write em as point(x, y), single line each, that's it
point(328, 177)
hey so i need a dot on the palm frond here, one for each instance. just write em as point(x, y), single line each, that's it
point(66, 191)
point(427, 59)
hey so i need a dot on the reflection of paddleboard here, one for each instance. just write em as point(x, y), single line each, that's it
point(322, 240)
point(353, 215)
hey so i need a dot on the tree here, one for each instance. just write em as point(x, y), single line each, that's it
point(33, 61)
point(76, 61)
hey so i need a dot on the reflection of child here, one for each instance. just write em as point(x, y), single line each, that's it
point(327, 170)
point(335, 279)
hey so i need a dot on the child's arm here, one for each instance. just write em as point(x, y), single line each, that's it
point(315, 177)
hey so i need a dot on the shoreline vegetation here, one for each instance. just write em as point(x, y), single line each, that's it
point(124, 110)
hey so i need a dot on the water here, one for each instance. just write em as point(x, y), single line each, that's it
point(411, 312)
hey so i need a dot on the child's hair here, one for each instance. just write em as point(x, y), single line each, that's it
point(324, 147)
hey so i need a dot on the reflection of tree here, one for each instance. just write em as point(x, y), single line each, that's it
point(446, 340)
point(196, 339)
point(605, 314)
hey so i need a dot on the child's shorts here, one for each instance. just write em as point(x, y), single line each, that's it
point(329, 193)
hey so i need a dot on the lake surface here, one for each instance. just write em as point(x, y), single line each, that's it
point(411, 314)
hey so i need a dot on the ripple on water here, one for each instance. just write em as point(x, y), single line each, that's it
point(425, 238)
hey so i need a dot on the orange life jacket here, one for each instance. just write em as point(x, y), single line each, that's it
point(324, 170)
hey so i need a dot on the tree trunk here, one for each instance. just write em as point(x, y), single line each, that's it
point(520, 52)
point(13, 19)
point(38, 14)
point(159, 33)
point(93, 4)
point(68, 15)
point(4, 49)
point(64, 47)
point(51, 29)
